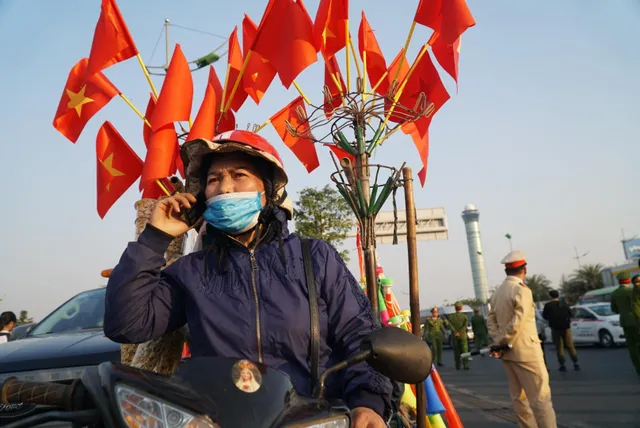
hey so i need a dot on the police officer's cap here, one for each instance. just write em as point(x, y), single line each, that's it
point(515, 259)
point(623, 278)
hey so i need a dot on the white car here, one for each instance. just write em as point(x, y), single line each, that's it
point(592, 323)
point(596, 323)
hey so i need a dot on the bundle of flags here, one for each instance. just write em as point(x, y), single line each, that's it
point(285, 43)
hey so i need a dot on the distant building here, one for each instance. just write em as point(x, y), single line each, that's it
point(471, 217)
point(609, 273)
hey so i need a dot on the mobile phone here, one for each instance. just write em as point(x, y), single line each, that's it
point(195, 213)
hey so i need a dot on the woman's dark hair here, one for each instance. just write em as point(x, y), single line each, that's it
point(7, 318)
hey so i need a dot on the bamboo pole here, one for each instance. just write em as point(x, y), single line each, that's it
point(414, 289)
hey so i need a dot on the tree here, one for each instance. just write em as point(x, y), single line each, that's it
point(323, 214)
point(24, 318)
point(583, 279)
point(539, 286)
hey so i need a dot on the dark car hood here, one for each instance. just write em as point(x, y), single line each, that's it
point(58, 350)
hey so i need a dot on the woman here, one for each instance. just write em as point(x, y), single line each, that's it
point(244, 295)
point(247, 380)
point(8, 321)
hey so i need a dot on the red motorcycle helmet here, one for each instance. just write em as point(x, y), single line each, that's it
point(193, 152)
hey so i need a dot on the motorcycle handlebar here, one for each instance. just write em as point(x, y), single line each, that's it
point(15, 391)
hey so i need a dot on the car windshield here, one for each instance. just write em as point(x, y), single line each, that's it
point(602, 310)
point(83, 312)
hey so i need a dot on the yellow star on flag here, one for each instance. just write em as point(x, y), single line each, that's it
point(327, 33)
point(77, 100)
point(108, 164)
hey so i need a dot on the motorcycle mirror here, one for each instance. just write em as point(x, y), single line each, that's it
point(398, 354)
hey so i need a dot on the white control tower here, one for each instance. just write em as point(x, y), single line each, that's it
point(471, 217)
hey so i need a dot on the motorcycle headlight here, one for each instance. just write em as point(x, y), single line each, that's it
point(140, 410)
point(337, 422)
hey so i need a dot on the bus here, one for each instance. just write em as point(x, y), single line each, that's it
point(597, 296)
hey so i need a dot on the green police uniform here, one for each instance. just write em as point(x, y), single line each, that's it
point(458, 323)
point(621, 303)
point(480, 332)
point(433, 328)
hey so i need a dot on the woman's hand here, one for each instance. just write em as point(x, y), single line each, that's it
point(166, 215)
point(363, 417)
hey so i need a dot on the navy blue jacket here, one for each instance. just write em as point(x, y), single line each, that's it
point(228, 317)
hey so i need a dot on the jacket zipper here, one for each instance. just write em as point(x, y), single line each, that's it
point(254, 268)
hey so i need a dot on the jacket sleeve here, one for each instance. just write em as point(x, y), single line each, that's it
point(492, 324)
point(143, 302)
point(350, 319)
point(546, 312)
point(614, 304)
point(522, 304)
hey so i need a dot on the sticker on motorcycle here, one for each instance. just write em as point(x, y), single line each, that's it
point(246, 376)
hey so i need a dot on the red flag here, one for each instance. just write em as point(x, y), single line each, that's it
point(424, 80)
point(392, 73)
point(447, 56)
point(204, 126)
point(176, 96)
point(235, 65)
point(419, 132)
point(303, 148)
point(163, 156)
point(331, 72)
point(259, 72)
point(340, 152)
point(329, 28)
point(367, 42)
point(118, 167)
point(285, 37)
point(112, 42)
point(450, 18)
point(81, 100)
point(146, 129)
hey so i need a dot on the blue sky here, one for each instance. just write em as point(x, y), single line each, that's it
point(542, 136)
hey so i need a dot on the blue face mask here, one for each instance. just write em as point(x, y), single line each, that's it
point(234, 213)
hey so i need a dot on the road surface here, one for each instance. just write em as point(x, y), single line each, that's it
point(604, 393)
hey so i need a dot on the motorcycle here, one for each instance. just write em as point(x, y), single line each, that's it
point(212, 392)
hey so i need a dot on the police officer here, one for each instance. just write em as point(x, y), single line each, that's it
point(458, 323)
point(621, 303)
point(433, 329)
point(512, 321)
point(480, 332)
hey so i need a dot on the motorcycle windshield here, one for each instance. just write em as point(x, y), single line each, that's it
point(237, 393)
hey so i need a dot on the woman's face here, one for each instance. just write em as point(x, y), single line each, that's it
point(232, 173)
point(246, 375)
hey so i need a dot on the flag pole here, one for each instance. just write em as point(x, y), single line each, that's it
point(237, 82)
point(226, 82)
point(304, 97)
point(146, 121)
point(355, 57)
point(348, 36)
point(364, 73)
point(147, 75)
point(402, 86)
point(405, 49)
point(259, 128)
